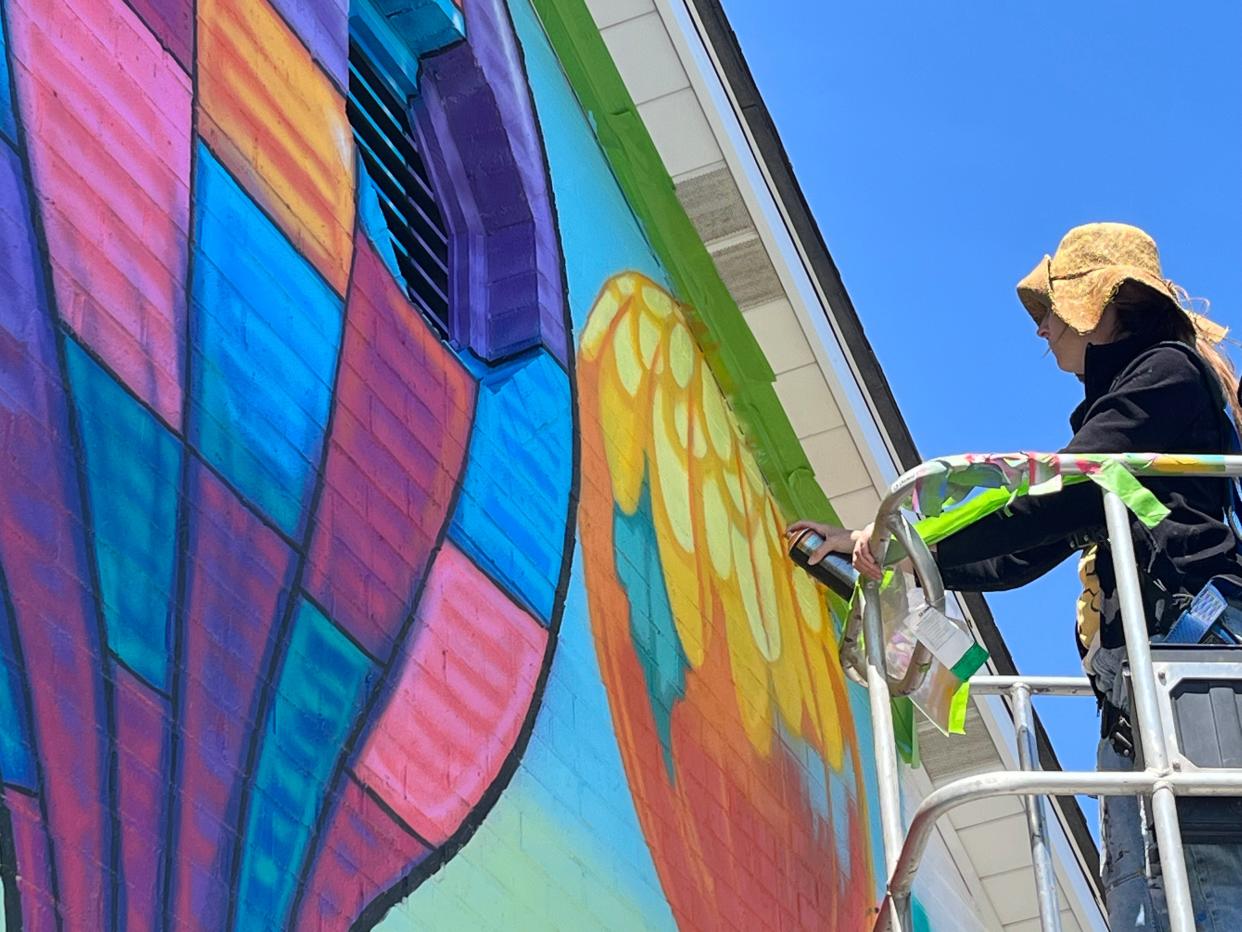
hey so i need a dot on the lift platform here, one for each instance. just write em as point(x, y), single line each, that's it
point(1169, 686)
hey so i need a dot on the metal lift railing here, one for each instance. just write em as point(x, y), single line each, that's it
point(1161, 780)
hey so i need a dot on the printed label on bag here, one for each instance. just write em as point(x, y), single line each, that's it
point(948, 643)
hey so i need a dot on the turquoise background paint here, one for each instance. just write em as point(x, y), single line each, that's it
point(564, 835)
point(600, 236)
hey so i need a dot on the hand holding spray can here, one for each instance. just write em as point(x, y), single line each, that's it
point(834, 570)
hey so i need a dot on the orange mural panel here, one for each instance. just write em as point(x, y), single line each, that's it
point(273, 117)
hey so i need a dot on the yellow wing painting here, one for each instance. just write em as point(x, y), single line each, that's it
point(718, 654)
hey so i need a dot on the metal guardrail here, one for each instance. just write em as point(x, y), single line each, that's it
point(904, 851)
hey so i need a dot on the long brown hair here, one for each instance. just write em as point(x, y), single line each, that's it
point(1142, 310)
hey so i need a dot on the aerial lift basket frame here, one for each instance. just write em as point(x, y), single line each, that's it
point(1164, 776)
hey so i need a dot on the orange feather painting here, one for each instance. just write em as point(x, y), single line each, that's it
point(718, 654)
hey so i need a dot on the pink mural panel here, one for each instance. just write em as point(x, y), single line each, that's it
point(107, 112)
point(403, 411)
point(141, 738)
point(465, 686)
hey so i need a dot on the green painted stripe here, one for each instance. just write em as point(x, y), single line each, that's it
point(732, 352)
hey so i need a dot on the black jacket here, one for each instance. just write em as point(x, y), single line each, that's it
point(1140, 397)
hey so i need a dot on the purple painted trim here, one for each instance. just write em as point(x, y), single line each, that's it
point(323, 27)
point(481, 143)
point(172, 21)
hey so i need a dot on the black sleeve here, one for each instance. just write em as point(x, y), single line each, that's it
point(1004, 572)
point(1147, 410)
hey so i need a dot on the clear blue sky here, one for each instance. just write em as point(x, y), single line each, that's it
point(944, 148)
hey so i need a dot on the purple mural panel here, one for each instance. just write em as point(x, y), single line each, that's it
point(477, 128)
point(141, 738)
point(34, 862)
point(43, 551)
point(172, 21)
point(237, 581)
point(323, 27)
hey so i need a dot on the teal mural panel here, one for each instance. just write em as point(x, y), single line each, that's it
point(133, 475)
point(514, 500)
point(17, 764)
point(321, 688)
point(659, 649)
point(266, 331)
point(7, 123)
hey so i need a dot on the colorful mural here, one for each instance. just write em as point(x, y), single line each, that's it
point(315, 616)
point(718, 654)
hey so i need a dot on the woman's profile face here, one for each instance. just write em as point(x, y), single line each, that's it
point(1067, 345)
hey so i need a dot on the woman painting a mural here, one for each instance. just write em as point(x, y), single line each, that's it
point(1154, 381)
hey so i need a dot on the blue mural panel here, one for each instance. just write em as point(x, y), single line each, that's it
point(514, 500)
point(320, 691)
point(7, 123)
point(133, 476)
point(17, 764)
point(266, 331)
point(375, 224)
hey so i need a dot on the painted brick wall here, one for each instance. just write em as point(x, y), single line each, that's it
point(312, 617)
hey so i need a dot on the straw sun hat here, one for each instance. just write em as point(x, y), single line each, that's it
point(1091, 264)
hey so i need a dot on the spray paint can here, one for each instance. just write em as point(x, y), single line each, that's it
point(834, 571)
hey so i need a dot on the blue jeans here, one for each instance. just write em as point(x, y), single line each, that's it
point(1130, 872)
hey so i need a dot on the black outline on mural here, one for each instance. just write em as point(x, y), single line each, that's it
point(172, 811)
point(159, 38)
point(111, 761)
point(380, 905)
point(384, 684)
